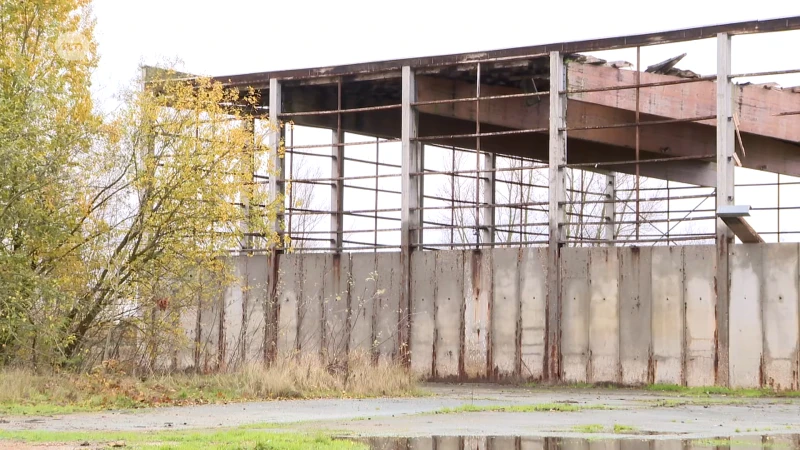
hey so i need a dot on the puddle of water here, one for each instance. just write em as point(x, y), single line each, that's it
point(771, 442)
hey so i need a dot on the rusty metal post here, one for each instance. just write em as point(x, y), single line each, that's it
point(725, 190)
point(337, 172)
point(276, 188)
point(609, 209)
point(410, 213)
point(557, 215)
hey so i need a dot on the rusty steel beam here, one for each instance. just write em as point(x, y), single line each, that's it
point(609, 125)
point(756, 106)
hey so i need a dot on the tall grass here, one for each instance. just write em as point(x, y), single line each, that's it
point(22, 391)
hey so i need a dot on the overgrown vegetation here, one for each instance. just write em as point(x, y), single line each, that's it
point(23, 392)
point(236, 438)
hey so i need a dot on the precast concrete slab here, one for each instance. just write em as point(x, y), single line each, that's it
point(667, 315)
point(505, 311)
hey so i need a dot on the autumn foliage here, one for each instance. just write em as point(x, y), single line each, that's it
point(111, 223)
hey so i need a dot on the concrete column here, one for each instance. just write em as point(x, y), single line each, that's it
point(557, 214)
point(487, 214)
point(276, 187)
point(276, 162)
point(337, 189)
point(609, 209)
point(248, 188)
point(410, 214)
point(725, 188)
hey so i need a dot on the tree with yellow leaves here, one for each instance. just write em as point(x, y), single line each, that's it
point(112, 223)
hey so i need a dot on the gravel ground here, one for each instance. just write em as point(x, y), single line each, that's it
point(660, 416)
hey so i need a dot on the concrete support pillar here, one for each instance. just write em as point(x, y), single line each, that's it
point(275, 193)
point(276, 162)
point(609, 209)
point(248, 187)
point(725, 188)
point(557, 214)
point(487, 214)
point(410, 214)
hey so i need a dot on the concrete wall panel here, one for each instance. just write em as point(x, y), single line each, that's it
point(604, 444)
point(362, 293)
point(533, 296)
point(573, 444)
point(421, 443)
point(447, 443)
point(475, 443)
point(667, 314)
point(208, 343)
point(746, 344)
point(505, 311)
point(448, 308)
point(701, 323)
point(603, 315)
point(635, 299)
point(477, 295)
point(575, 314)
point(779, 308)
point(335, 309)
point(423, 290)
point(310, 313)
point(232, 317)
point(387, 303)
point(501, 442)
point(256, 311)
point(671, 444)
point(289, 275)
point(532, 443)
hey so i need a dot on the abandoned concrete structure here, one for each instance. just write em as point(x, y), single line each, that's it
point(558, 280)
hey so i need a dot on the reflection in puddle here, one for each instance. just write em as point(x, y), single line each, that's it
point(776, 442)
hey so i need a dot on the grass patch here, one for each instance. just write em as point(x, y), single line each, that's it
point(573, 385)
point(624, 429)
point(23, 392)
point(536, 407)
point(767, 443)
point(590, 428)
point(597, 428)
point(674, 402)
point(720, 390)
point(237, 438)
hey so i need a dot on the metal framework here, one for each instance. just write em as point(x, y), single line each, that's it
point(535, 146)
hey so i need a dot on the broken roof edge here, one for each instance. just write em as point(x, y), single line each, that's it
point(682, 35)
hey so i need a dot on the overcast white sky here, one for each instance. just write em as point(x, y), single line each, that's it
point(241, 36)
